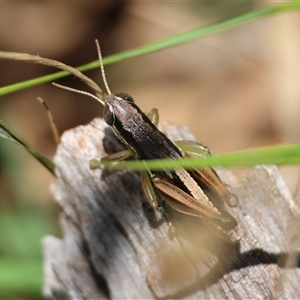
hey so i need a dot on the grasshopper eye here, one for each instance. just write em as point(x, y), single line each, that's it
point(125, 97)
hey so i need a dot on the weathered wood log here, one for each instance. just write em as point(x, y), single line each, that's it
point(115, 247)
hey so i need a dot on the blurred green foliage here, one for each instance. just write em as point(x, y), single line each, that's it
point(20, 251)
point(21, 232)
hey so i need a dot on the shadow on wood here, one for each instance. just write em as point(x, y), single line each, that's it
point(114, 246)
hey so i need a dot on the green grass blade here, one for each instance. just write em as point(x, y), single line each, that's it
point(8, 133)
point(279, 155)
point(172, 41)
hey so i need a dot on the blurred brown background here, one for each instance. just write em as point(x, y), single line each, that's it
point(234, 90)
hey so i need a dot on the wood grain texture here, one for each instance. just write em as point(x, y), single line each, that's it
point(115, 247)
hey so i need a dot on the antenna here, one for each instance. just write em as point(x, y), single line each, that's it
point(78, 92)
point(86, 79)
point(102, 67)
